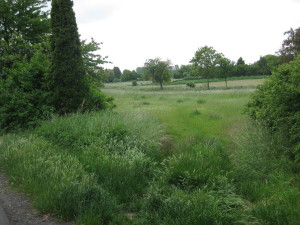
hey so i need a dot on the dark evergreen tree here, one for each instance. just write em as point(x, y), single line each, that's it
point(67, 79)
point(117, 72)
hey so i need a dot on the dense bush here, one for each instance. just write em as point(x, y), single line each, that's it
point(276, 104)
point(191, 84)
point(134, 83)
point(24, 95)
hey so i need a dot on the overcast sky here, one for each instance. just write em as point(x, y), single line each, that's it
point(135, 30)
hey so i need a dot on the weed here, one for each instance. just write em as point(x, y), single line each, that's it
point(196, 112)
point(201, 101)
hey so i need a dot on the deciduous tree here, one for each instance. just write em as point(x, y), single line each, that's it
point(225, 68)
point(205, 61)
point(158, 70)
point(290, 46)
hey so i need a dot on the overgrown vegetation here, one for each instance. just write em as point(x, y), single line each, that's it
point(205, 165)
point(276, 105)
point(30, 89)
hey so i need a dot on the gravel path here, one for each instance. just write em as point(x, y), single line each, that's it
point(17, 208)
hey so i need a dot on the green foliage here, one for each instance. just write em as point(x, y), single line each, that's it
point(158, 70)
point(24, 96)
point(67, 82)
point(117, 72)
point(276, 104)
point(290, 46)
point(184, 71)
point(134, 83)
point(92, 62)
point(129, 75)
point(205, 61)
point(191, 84)
point(225, 69)
point(23, 18)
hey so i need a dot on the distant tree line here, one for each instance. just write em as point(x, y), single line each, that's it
point(220, 66)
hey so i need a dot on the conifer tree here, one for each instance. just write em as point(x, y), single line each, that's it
point(67, 78)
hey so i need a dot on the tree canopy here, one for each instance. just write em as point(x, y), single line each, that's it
point(205, 61)
point(23, 18)
point(290, 46)
point(158, 70)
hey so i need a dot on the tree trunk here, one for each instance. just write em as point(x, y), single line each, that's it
point(226, 81)
point(207, 84)
point(161, 86)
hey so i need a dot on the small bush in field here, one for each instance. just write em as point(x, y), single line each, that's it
point(191, 84)
point(201, 101)
point(134, 83)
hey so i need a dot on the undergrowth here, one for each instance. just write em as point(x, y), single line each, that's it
point(109, 168)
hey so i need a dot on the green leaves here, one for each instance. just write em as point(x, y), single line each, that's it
point(158, 70)
point(276, 103)
point(206, 60)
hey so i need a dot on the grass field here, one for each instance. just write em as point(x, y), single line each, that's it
point(189, 112)
point(177, 156)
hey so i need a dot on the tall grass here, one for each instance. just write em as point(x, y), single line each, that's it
point(193, 188)
point(200, 167)
point(83, 166)
point(264, 175)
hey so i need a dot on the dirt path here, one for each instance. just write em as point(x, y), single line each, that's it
point(17, 208)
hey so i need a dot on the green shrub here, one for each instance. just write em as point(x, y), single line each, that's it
point(201, 101)
point(24, 97)
point(276, 104)
point(191, 84)
point(134, 83)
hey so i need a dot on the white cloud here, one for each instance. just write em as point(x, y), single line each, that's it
point(134, 30)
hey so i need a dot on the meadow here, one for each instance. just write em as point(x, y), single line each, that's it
point(176, 156)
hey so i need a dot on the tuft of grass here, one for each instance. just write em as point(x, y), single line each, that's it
point(201, 101)
point(196, 112)
point(197, 165)
point(145, 103)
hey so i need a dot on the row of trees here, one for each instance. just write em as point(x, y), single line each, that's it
point(208, 63)
point(44, 67)
point(115, 75)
